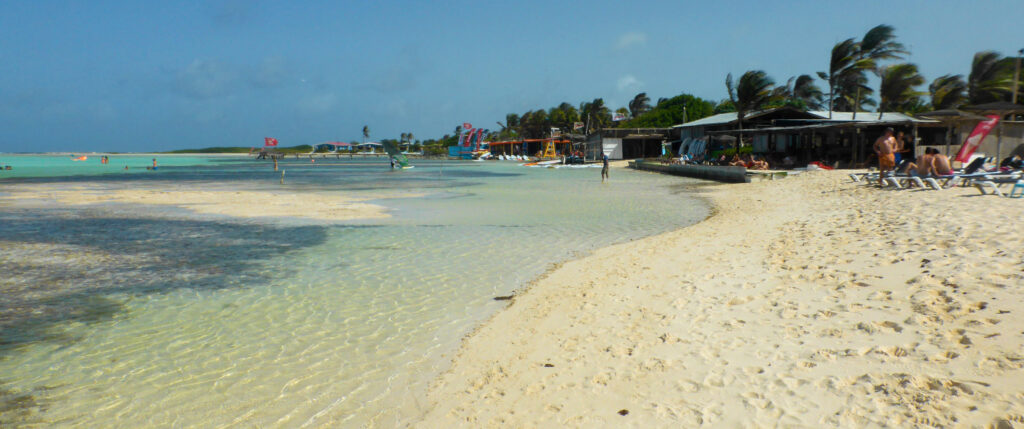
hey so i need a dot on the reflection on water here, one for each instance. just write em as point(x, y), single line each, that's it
point(157, 317)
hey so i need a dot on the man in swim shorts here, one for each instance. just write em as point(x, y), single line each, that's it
point(884, 148)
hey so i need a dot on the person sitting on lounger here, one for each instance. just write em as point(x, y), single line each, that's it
point(940, 164)
point(924, 164)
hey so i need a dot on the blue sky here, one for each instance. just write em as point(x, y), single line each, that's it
point(155, 75)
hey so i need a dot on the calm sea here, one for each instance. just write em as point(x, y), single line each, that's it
point(117, 315)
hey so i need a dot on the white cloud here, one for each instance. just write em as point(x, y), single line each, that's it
point(629, 40)
point(627, 82)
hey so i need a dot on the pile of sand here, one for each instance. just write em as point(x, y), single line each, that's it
point(805, 302)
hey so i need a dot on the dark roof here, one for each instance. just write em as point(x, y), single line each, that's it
point(948, 115)
point(998, 107)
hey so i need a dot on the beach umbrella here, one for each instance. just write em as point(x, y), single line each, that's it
point(951, 117)
point(1001, 108)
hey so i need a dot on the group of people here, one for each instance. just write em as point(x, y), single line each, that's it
point(888, 148)
point(749, 161)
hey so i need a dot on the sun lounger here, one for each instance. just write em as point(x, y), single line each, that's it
point(993, 183)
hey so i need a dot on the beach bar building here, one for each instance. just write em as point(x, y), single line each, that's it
point(843, 140)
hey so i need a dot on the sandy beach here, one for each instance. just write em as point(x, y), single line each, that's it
point(329, 206)
point(804, 302)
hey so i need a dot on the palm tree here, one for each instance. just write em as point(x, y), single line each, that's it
point(366, 133)
point(800, 90)
point(844, 64)
point(753, 90)
point(991, 78)
point(896, 91)
point(948, 91)
point(880, 43)
point(639, 105)
point(853, 93)
point(850, 59)
point(806, 91)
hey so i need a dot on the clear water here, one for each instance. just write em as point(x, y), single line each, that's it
point(129, 316)
point(58, 166)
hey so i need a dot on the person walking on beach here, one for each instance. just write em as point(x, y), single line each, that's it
point(884, 148)
point(604, 169)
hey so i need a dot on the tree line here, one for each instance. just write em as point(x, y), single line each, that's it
point(845, 88)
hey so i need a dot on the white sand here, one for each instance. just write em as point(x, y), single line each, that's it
point(333, 206)
point(805, 302)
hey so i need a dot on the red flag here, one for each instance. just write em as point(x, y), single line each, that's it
point(479, 137)
point(466, 125)
point(269, 141)
point(469, 137)
point(974, 140)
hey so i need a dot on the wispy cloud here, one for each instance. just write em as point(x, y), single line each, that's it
point(628, 81)
point(629, 40)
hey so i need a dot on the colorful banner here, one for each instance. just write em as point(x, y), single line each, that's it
point(479, 137)
point(974, 140)
point(467, 125)
point(469, 137)
point(269, 141)
point(619, 117)
point(577, 125)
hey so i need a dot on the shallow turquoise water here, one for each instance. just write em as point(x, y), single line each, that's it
point(60, 166)
point(129, 315)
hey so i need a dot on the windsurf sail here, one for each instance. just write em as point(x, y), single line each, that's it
point(392, 150)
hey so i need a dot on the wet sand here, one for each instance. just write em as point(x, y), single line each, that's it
point(330, 206)
point(809, 301)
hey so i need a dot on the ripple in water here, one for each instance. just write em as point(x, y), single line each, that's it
point(175, 320)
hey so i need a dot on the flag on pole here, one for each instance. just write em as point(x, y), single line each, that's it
point(466, 125)
point(269, 141)
point(479, 137)
point(469, 137)
point(974, 140)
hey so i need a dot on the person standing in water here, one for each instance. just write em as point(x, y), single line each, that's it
point(154, 163)
point(604, 168)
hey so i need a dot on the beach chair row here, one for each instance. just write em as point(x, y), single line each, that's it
point(988, 183)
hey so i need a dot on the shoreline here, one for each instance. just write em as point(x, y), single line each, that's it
point(761, 328)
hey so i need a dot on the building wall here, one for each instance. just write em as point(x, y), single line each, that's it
point(612, 147)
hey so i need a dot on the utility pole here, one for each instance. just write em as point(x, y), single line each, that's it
point(1016, 76)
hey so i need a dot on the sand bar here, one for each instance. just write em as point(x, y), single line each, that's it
point(806, 302)
point(331, 206)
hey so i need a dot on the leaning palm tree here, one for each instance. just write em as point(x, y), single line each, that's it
point(948, 91)
point(991, 78)
point(800, 90)
point(853, 93)
point(753, 90)
point(807, 92)
point(880, 43)
point(846, 61)
point(896, 91)
point(639, 105)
